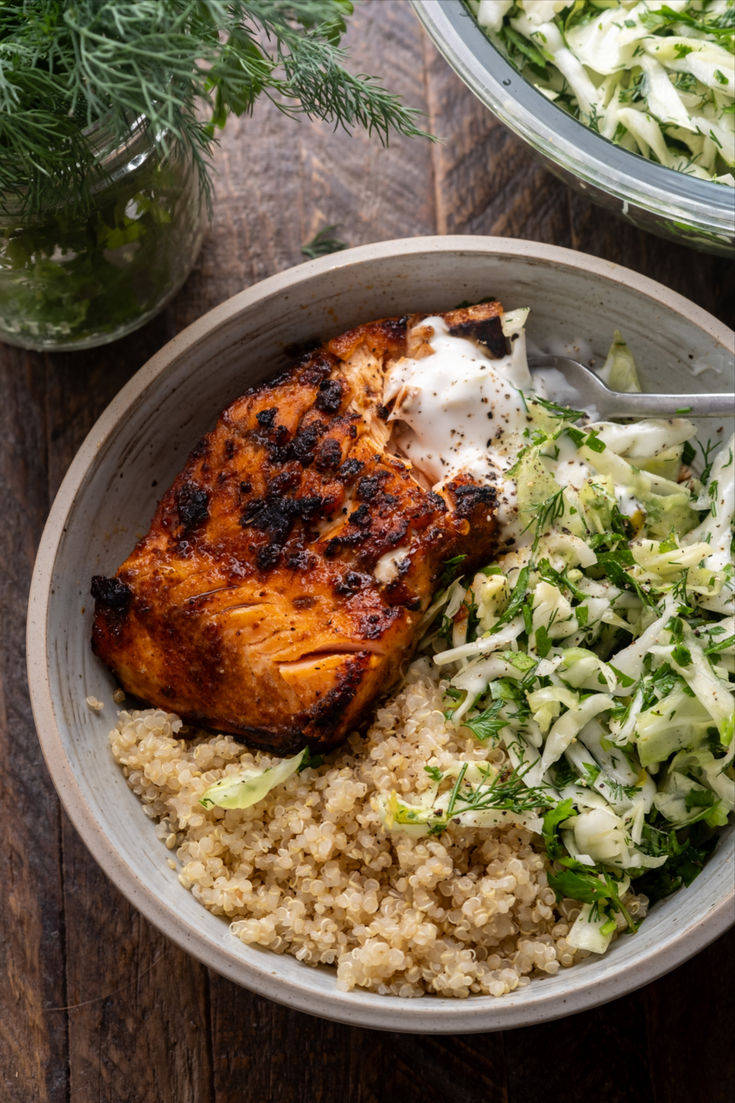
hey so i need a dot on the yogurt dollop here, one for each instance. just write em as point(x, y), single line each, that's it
point(458, 410)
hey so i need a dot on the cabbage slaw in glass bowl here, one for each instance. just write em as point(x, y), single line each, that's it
point(672, 204)
point(658, 81)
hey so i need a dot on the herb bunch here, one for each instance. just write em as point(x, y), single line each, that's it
point(184, 65)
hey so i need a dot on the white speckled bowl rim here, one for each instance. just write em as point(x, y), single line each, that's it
point(334, 291)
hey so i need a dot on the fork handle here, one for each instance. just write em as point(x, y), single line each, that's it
point(634, 404)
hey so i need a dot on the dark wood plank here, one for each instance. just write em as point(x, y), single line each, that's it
point(97, 1005)
point(313, 1061)
point(486, 181)
point(263, 1049)
point(691, 1014)
point(444, 1069)
point(604, 1050)
point(281, 180)
point(33, 1046)
point(136, 1005)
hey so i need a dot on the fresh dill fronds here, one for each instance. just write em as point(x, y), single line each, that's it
point(546, 514)
point(182, 66)
point(554, 409)
point(323, 243)
point(505, 791)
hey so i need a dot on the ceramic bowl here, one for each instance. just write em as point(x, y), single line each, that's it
point(136, 448)
point(671, 204)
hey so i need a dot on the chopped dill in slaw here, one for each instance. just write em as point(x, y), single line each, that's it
point(600, 654)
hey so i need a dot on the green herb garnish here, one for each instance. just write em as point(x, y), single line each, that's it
point(323, 243)
point(504, 792)
point(185, 66)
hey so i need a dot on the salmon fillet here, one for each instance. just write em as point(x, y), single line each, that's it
point(279, 588)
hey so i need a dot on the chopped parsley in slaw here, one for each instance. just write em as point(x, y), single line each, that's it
point(599, 653)
point(655, 78)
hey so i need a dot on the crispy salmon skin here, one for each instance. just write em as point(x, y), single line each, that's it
point(279, 588)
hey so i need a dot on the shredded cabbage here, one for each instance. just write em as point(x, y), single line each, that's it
point(657, 80)
point(600, 654)
point(241, 790)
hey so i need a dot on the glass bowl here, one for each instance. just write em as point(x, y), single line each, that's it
point(693, 212)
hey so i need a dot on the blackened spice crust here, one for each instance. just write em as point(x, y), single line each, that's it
point(470, 497)
point(329, 396)
point(192, 504)
point(329, 455)
point(488, 333)
point(112, 592)
point(350, 468)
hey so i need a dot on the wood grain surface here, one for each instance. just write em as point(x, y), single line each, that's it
point(95, 1004)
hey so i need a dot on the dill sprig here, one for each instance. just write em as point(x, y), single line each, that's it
point(182, 65)
point(323, 243)
point(505, 791)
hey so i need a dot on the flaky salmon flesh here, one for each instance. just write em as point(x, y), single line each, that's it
point(279, 589)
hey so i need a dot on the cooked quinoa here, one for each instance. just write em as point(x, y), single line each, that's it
point(311, 871)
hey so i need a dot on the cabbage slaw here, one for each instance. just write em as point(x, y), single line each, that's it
point(655, 78)
point(600, 654)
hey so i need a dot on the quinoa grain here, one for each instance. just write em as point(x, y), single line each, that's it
point(311, 871)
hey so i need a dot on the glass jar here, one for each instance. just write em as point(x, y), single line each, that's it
point(75, 276)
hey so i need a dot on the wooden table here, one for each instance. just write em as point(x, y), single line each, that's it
point(94, 1003)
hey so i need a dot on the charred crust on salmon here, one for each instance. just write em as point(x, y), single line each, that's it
point(303, 445)
point(360, 516)
point(350, 468)
point(369, 486)
point(301, 561)
point(329, 455)
point(280, 586)
point(489, 334)
point(329, 396)
point(351, 583)
point(112, 593)
point(469, 497)
point(192, 503)
point(266, 417)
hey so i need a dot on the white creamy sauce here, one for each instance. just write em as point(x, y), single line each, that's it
point(550, 381)
point(461, 411)
point(569, 469)
point(388, 566)
point(458, 410)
